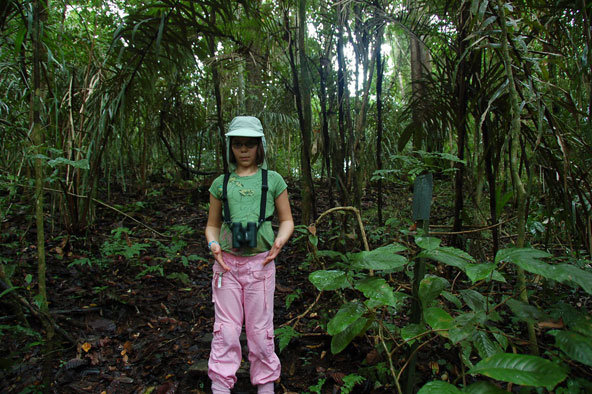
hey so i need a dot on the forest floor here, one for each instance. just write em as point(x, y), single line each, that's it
point(142, 323)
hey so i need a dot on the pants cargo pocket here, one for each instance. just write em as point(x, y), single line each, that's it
point(269, 342)
point(264, 281)
point(217, 341)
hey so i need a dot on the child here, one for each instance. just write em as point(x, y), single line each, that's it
point(242, 241)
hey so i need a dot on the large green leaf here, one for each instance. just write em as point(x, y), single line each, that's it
point(341, 340)
point(567, 273)
point(525, 311)
point(530, 260)
point(452, 298)
point(477, 272)
point(575, 345)
point(449, 256)
point(82, 164)
point(464, 325)
point(475, 300)
point(484, 345)
point(429, 243)
point(576, 320)
point(500, 337)
point(521, 369)
point(430, 287)
point(411, 331)
point(439, 387)
point(514, 255)
point(379, 291)
point(438, 319)
point(383, 258)
point(347, 314)
point(329, 280)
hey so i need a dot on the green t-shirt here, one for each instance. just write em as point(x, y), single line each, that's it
point(244, 201)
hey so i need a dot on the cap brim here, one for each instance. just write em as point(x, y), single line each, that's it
point(244, 133)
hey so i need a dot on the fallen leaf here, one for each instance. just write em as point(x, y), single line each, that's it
point(75, 363)
point(86, 346)
point(283, 289)
point(336, 376)
point(95, 358)
point(124, 379)
point(128, 346)
point(103, 324)
point(168, 388)
point(552, 324)
point(373, 357)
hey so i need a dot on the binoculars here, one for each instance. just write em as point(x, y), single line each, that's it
point(244, 236)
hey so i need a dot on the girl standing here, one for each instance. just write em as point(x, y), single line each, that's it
point(242, 241)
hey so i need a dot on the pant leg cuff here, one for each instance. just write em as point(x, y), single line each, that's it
point(219, 388)
point(266, 388)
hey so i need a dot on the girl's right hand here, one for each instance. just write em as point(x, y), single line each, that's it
point(217, 252)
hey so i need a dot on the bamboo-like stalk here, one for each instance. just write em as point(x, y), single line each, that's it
point(521, 194)
point(40, 14)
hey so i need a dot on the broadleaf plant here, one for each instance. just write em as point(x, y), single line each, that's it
point(465, 316)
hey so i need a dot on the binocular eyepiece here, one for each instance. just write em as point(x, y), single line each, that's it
point(244, 236)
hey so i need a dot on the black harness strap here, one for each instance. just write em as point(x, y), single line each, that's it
point(226, 212)
point(264, 189)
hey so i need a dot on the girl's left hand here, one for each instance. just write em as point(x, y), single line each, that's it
point(277, 246)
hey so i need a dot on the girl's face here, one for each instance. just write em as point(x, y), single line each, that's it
point(245, 151)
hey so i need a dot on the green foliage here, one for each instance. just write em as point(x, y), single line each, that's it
point(81, 261)
point(180, 276)
point(415, 163)
point(7, 291)
point(285, 335)
point(121, 245)
point(521, 369)
point(462, 318)
point(316, 389)
point(290, 298)
point(350, 381)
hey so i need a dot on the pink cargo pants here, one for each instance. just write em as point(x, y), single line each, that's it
point(244, 294)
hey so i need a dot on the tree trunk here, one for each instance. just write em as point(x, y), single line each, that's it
point(323, 99)
point(144, 160)
point(514, 166)
point(462, 100)
point(490, 172)
point(418, 91)
point(40, 16)
point(342, 100)
point(241, 87)
point(218, 95)
point(357, 174)
point(305, 118)
point(379, 128)
point(588, 37)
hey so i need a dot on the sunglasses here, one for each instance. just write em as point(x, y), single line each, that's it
point(248, 143)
